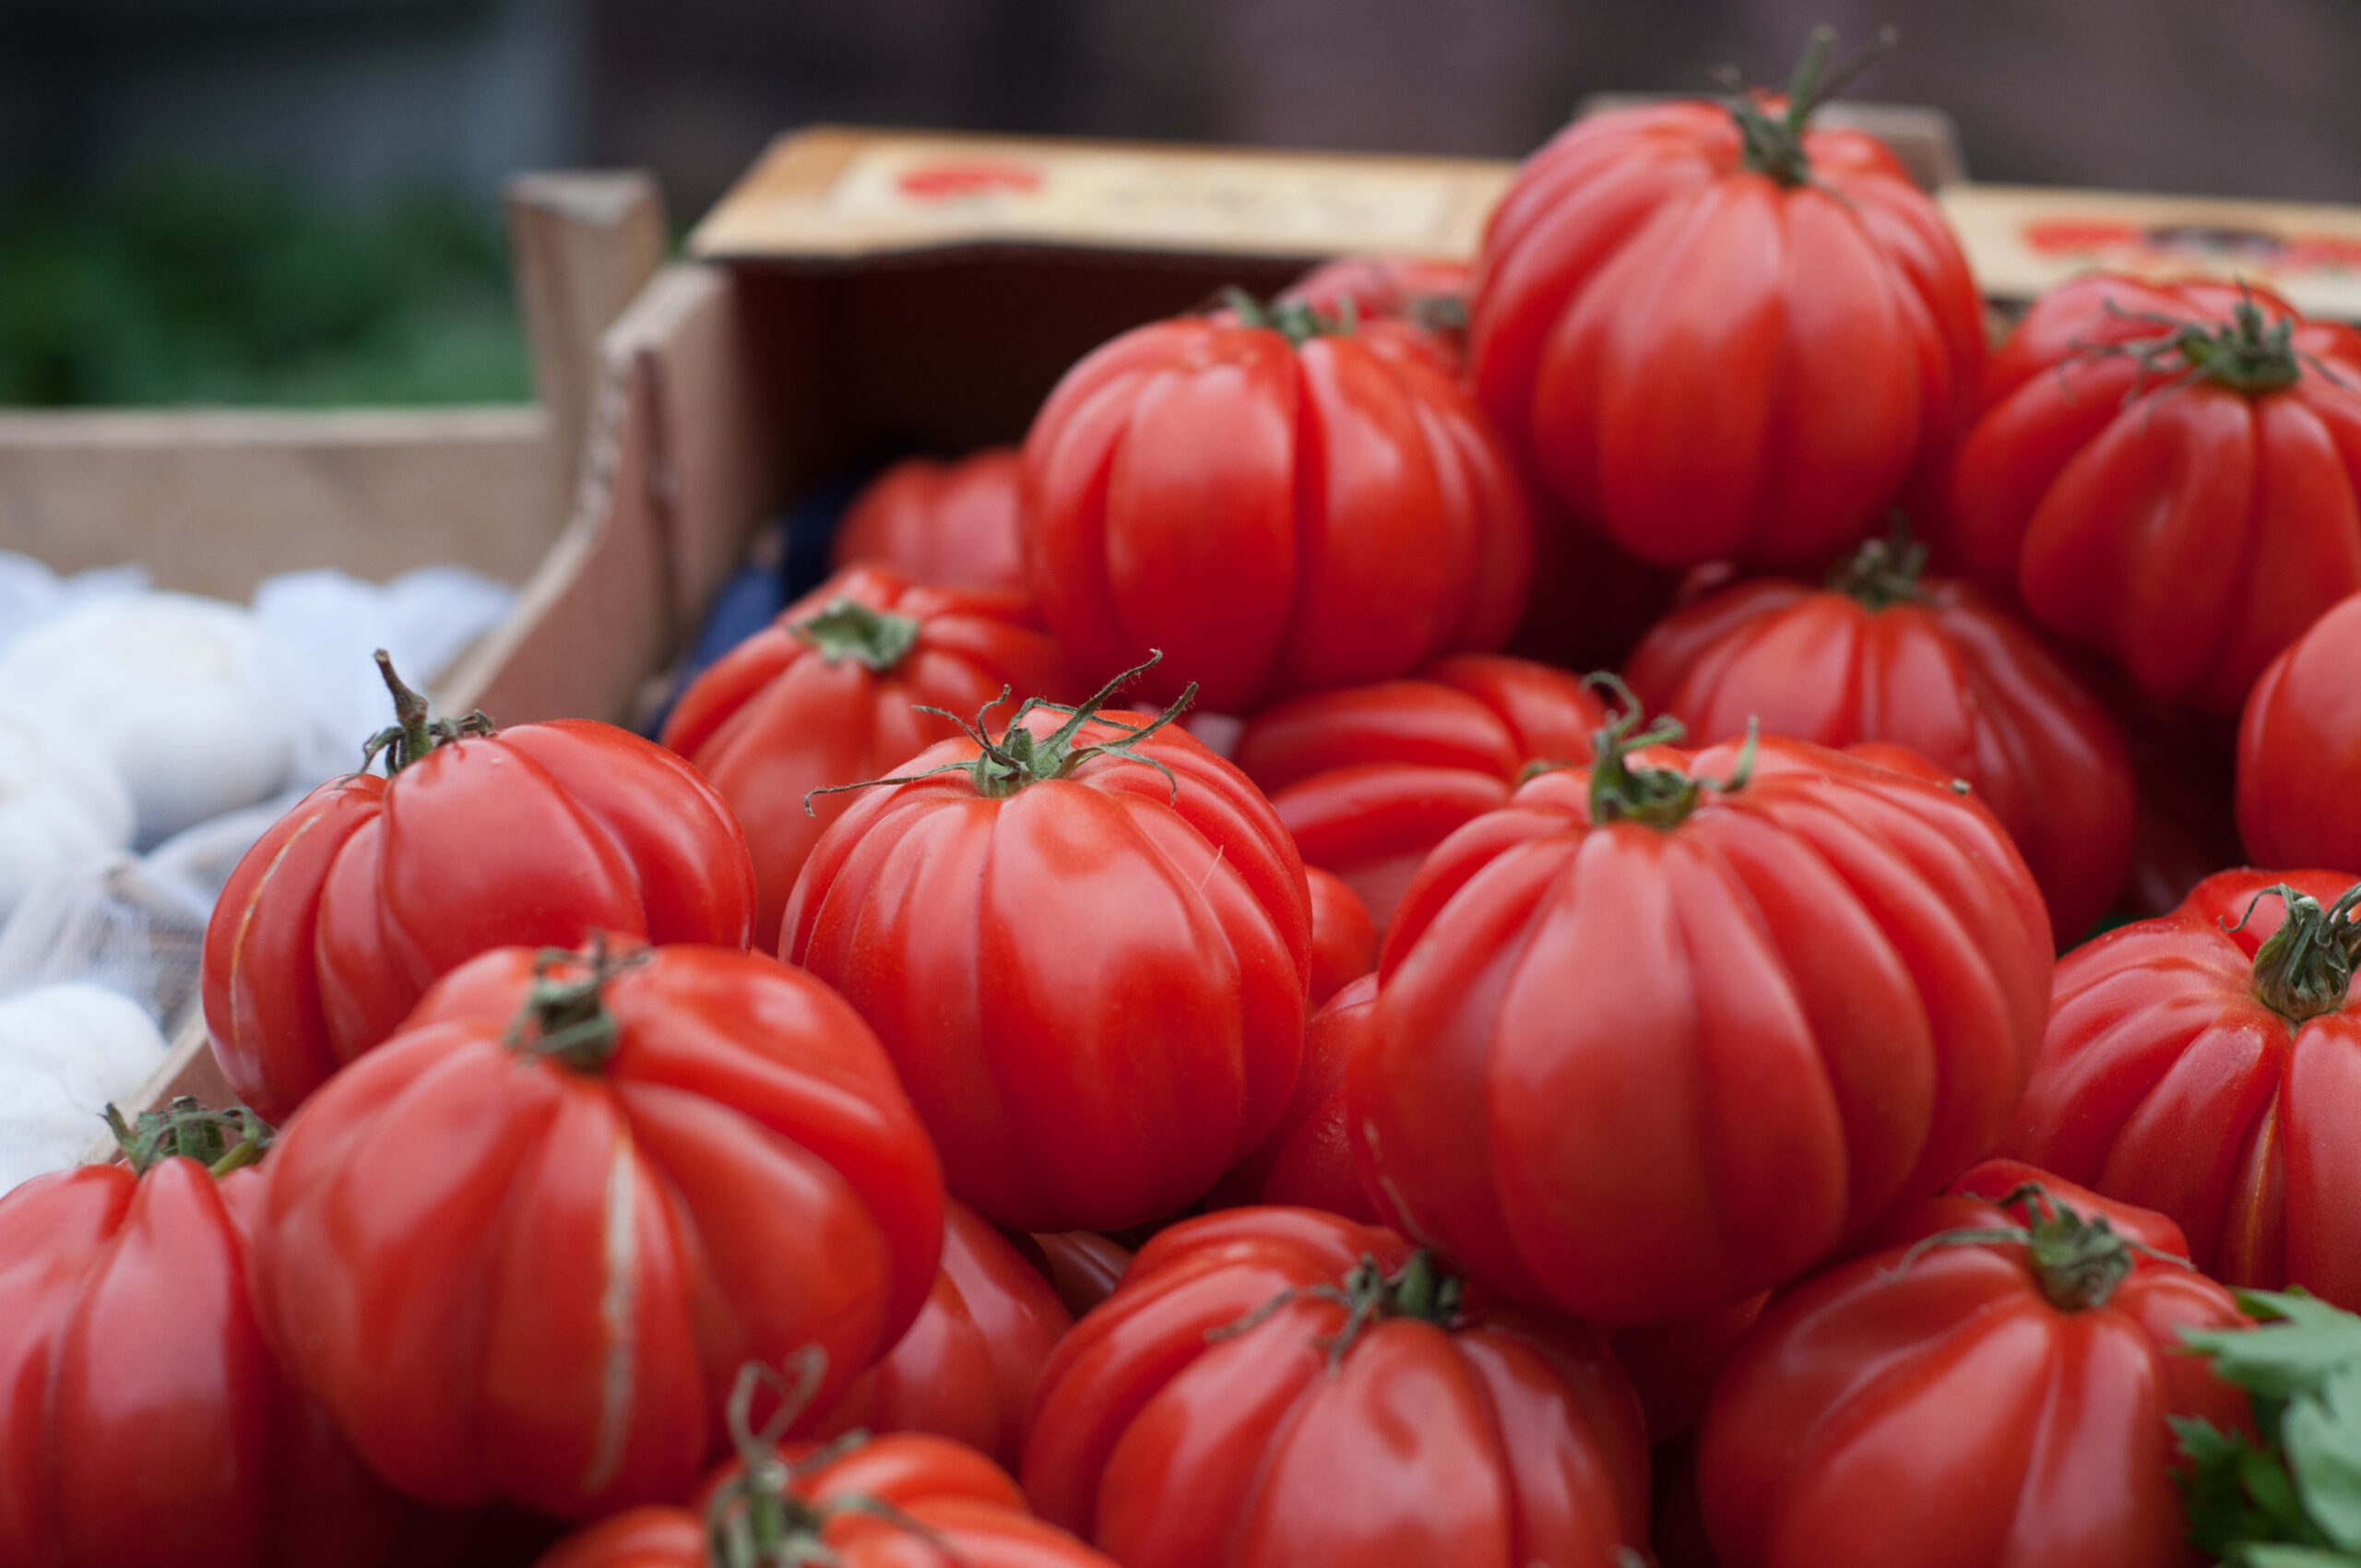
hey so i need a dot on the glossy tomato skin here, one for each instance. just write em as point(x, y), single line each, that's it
point(967, 1366)
point(2187, 530)
point(2299, 750)
point(777, 717)
point(1989, 1425)
point(368, 891)
point(964, 1501)
point(951, 524)
point(1093, 987)
point(1277, 520)
point(1701, 363)
point(1307, 1162)
point(1501, 1439)
point(1947, 673)
point(2165, 1081)
point(141, 1412)
point(578, 1260)
point(1344, 939)
point(1371, 778)
point(1634, 1072)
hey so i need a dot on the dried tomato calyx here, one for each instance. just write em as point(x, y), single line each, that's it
point(2249, 353)
point(1421, 1289)
point(2305, 966)
point(846, 628)
point(1883, 572)
point(2077, 1261)
point(412, 734)
point(1662, 796)
point(221, 1140)
point(1298, 321)
point(1773, 144)
point(565, 1014)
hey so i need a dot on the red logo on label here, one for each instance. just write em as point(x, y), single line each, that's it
point(968, 177)
point(2131, 243)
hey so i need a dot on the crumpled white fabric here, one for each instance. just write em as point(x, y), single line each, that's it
point(31, 593)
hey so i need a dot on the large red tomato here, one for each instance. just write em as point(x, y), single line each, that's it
point(909, 1501)
point(1371, 778)
point(949, 523)
point(1993, 1390)
point(372, 888)
point(1716, 333)
point(521, 1250)
point(1343, 938)
point(1280, 1386)
point(1885, 653)
point(1665, 1030)
point(1086, 945)
point(967, 1366)
point(2299, 750)
point(2168, 474)
point(1278, 504)
point(830, 692)
point(142, 1417)
point(2214, 1076)
point(1307, 1162)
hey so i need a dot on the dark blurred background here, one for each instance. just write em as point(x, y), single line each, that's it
point(296, 201)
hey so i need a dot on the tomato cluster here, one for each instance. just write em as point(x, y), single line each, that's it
point(1556, 1113)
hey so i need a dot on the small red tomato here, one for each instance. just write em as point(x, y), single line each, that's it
point(1887, 653)
point(371, 889)
point(951, 524)
point(2299, 750)
point(2168, 474)
point(2213, 1075)
point(1087, 944)
point(142, 1417)
point(1274, 1385)
point(1371, 778)
point(521, 1250)
point(1307, 1162)
point(1993, 1392)
point(1716, 333)
point(1282, 505)
point(965, 1369)
point(1344, 939)
point(1428, 294)
point(830, 694)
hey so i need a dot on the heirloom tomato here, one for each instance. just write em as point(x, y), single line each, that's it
point(521, 1250)
point(1887, 653)
point(1279, 501)
point(2167, 473)
point(2299, 750)
point(1087, 944)
point(1429, 295)
point(1276, 1385)
point(1669, 1030)
point(1344, 939)
point(142, 1417)
point(372, 888)
point(833, 691)
point(1714, 332)
point(1308, 1160)
point(2207, 1064)
point(1369, 779)
point(949, 524)
point(1992, 1390)
point(967, 1366)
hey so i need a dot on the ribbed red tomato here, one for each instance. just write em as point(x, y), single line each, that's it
point(1669, 1030)
point(142, 1417)
point(2299, 750)
point(965, 1369)
point(1087, 944)
point(1307, 1162)
point(1716, 333)
point(1887, 653)
point(2214, 1076)
point(1278, 504)
point(829, 694)
point(2168, 474)
point(522, 1250)
point(1371, 778)
point(1994, 1389)
point(1277, 1386)
point(1429, 294)
point(951, 524)
point(372, 888)
point(1344, 939)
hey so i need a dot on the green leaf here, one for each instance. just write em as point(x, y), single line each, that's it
point(2290, 1557)
point(2322, 1436)
point(2295, 1355)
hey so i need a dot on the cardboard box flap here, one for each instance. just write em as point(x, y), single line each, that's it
point(834, 194)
